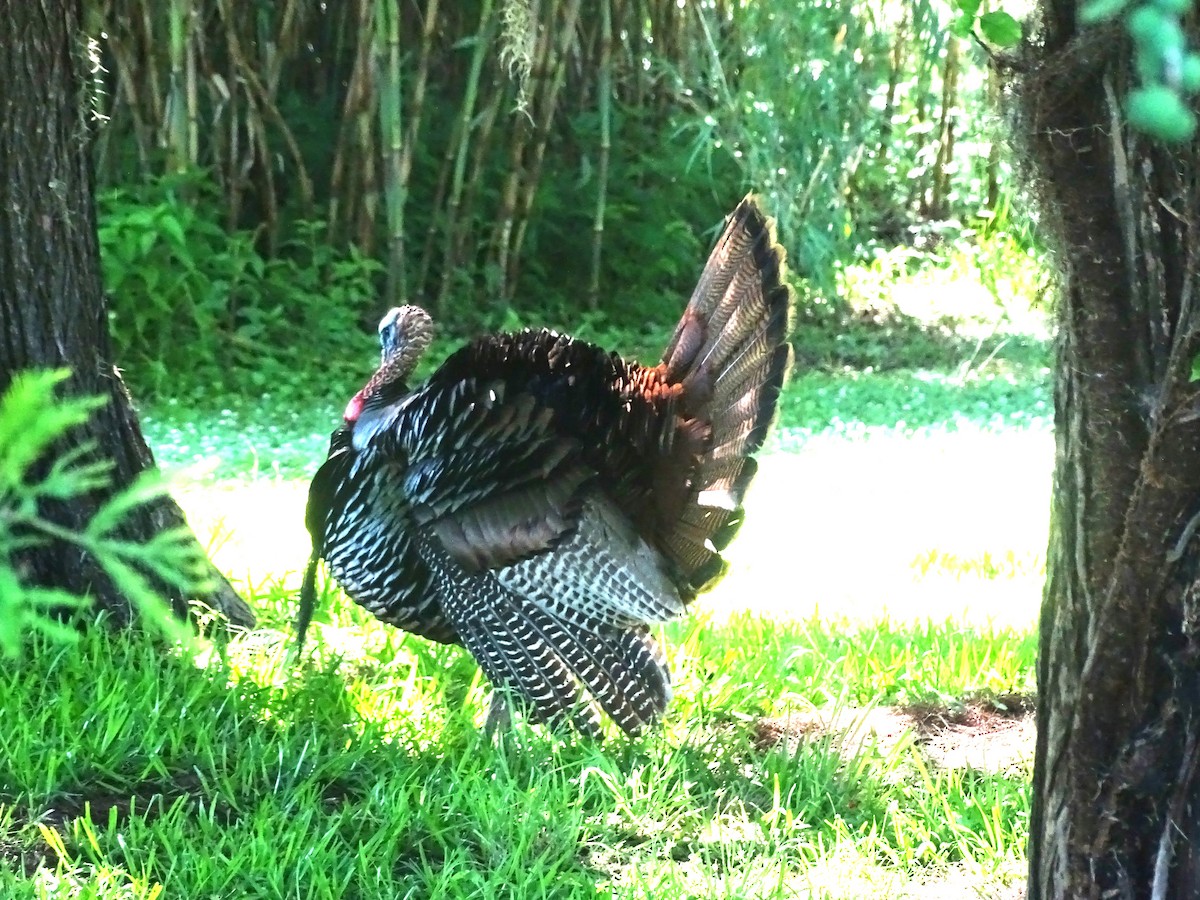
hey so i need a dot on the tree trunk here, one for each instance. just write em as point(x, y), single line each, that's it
point(52, 308)
point(1116, 811)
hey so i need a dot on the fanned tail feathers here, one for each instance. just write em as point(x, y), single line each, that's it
point(730, 355)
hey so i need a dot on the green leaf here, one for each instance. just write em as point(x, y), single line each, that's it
point(1189, 77)
point(70, 476)
point(969, 8)
point(174, 231)
point(149, 605)
point(1178, 7)
point(146, 487)
point(1154, 30)
point(962, 26)
point(1158, 111)
point(1101, 11)
point(47, 599)
point(32, 419)
point(1000, 28)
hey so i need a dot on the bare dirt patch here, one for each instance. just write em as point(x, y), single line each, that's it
point(990, 735)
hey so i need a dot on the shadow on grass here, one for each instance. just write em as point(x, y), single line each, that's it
point(213, 784)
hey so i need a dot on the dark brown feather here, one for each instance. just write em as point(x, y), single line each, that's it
point(516, 524)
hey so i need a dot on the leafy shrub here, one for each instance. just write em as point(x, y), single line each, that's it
point(195, 307)
point(31, 421)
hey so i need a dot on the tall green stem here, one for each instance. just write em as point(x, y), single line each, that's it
point(605, 91)
point(387, 51)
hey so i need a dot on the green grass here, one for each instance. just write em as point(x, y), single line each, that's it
point(365, 774)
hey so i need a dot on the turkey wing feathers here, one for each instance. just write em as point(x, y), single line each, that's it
point(502, 489)
point(486, 472)
point(353, 507)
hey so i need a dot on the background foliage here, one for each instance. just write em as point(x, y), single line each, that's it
point(275, 175)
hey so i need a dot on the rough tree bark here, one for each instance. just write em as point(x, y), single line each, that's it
point(1116, 787)
point(52, 308)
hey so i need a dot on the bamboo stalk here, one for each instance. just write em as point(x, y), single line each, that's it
point(290, 24)
point(176, 124)
point(418, 97)
point(637, 41)
point(202, 77)
point(418, 106)
point(460, 147)
point(899, 46)
point(945, 154)
point(226, 142)
point(223, 144)
point(256, 63)
point(193, 123)
point(437, 216)
point(237, 170)
point(259, 142)
point(930, 40)
point(993, 162)
point(356, 106)
point(127, 87)
point(365, 139)
point(502, 238)
point(154, 89)
point(266, 109)
point(473, 186)
point(368, 210)
point(391, 129)
point(566, 38)
point(605, 97)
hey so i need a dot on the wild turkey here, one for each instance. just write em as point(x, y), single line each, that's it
point(543, 502)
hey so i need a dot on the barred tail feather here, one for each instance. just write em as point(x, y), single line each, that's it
point(520, 662)
point(556, 671)
point(623, 671)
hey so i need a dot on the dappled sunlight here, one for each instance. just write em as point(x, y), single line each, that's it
point(253, 531)
point(979, 285)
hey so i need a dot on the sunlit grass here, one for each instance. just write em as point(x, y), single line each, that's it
point(986, 565)
point(365, 774)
